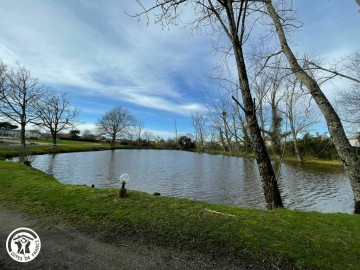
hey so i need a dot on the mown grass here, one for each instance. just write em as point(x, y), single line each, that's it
point(307, 160)
point(59, 142)
point(326, 241)
point(63, 147)
point(314, 161)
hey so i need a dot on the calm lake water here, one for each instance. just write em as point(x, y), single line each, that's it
point(203, 177)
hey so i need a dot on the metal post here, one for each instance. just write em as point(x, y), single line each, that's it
point(122, 191)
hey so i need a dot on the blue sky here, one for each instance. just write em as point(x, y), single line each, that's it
point(103, 58)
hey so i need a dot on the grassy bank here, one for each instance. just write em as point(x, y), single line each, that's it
point(40, 147)
point(327, 241)
point(307, 160)
point(44, 146)
point(314, 161)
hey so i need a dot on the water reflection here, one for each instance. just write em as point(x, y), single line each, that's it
point(215, 179)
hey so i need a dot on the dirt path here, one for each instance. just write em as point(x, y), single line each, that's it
point(64, 247)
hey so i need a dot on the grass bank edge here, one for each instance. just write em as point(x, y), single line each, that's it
point(307, 160)
point(67, 146)
point(327, 241)
point(61, 148)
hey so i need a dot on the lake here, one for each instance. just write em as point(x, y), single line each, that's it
point(202, 177)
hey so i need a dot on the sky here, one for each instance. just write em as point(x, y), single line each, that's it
point(103, 58)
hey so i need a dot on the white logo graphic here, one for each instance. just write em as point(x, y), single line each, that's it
point(23, 245)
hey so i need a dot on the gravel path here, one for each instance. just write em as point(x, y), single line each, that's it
point(64, 247)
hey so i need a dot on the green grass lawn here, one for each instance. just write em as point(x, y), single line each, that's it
point(314, 161)
point(326, 241)
point(61, 142)
point(45, 147)
point(307, 160)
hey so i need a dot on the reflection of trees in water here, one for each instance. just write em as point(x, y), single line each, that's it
point(51, 164)
point(111, 169)
point(242, 186)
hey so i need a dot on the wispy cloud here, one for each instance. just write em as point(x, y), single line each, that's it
point(93, 49)
point(104, 52)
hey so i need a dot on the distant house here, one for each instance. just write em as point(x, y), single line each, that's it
point(354, 140)
point(10, 132)
point(34, 134)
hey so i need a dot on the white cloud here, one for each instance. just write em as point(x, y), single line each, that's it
point(98, 50)
point(87, 126)
point(110, 54)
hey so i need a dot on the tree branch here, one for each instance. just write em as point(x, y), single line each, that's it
point(334, 72)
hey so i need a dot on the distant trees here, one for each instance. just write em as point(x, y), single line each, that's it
point(19, 92)
point(7, 126)
point(74, 134)
point(199, 122)
point(299, 112)
point(148, 136)
point(139, 128)
point(87, 134)
point(54, 113)
point(320, 146)
point(185, 142)
point(115, 123)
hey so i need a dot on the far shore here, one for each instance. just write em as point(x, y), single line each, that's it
point(39, 147)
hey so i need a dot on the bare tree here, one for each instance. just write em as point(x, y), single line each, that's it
point(4, 81)
point(19, 92)
point(349, 100)
point(275, 78)
point(89, 135)
point(346, 152)
point(230, 17)
point(54, 113)
point(261, 85)
point(349, 104)
point(299, 111)
point(139, 129)
point(220, 114)
point(134, 132)
point(148, 136)
point(115, 123)
point(199, 123)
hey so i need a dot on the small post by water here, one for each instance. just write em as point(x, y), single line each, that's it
point(124, 178)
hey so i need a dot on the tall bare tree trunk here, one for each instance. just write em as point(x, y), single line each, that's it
point(54, 137)
point(22, 133)
point(113, 141)
point(269, 182)
point(336, 130)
